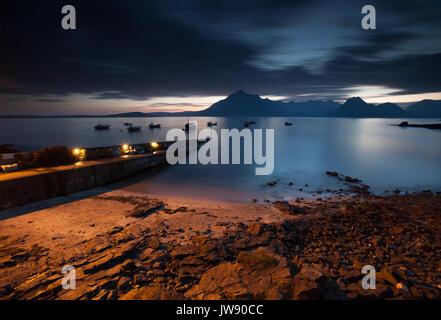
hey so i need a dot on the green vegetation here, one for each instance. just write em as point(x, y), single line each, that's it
point(7, 148)
point(53, 156)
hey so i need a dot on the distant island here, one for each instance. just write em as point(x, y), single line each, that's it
point(241, 103)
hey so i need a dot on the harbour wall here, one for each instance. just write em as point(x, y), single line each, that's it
point(21, 188)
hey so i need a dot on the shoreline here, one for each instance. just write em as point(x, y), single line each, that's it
point(125, 245)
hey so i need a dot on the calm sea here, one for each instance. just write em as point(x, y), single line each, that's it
point(385, 157)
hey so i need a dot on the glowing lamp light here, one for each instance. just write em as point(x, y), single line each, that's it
point(125, 147)
point(154, 144)
point(76, 151)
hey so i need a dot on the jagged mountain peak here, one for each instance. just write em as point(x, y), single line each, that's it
point(354, 100)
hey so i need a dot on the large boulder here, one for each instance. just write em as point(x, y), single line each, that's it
point(311, 283)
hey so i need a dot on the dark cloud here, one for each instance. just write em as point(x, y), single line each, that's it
point(50, 100)
point(141, 49)
point(376, 43)
point(191, 105)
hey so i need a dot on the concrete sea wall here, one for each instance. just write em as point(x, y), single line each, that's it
point(21, 188)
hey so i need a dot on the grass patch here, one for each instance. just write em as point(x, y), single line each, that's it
point(7, 148)
point(256, 260)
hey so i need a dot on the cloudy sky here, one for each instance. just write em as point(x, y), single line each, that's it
point(170, 55)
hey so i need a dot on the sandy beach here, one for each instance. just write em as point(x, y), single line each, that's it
point(127, 245)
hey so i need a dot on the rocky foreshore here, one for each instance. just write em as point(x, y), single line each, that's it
point(132, 247)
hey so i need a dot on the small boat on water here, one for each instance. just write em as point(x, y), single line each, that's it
point(102, 126)
point(211, 124)
point(248, 123)
point(288, 123)
point(128, 124)
point(134, 128)
point(153, 126)
point(406, 124)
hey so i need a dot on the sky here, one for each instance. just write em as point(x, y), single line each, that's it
point(169, 55)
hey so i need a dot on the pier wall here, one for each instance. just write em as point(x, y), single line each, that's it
point(25, 187)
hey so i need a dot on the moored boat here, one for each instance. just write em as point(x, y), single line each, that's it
point(153, 126)
point(211, 124)
point(427, 126)
point(102, 126)
point(134, 128)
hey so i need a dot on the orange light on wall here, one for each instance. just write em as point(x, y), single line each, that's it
point(76, 151)
point(154, 144)
point(125, 147)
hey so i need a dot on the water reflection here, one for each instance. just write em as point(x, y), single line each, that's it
point(382, 155)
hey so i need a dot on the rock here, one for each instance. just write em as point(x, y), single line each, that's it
point(128, 265)
point(183, 251)
point(399, 235)
point(158, 265)
point(382, 291)
point(140, 279)
point(146, 208)
point(151, 293)
point(116, 230)
point(255, 229)
point(274, 294)
point(332, 173)
point(310, 283)
point(350, 274)
point(106, 283)
point(352, 180)
point(402, 286)
point(355, 291)
point(256, 260)
point(236, 281)
point(387, 276)
point(222, 280)
point(153, 243)
point(6, 290)
point(101, 264)
point(123, 283)
point(424, 291)
point(102, 295)
point(157, 272)
point(287, 208)
point(7, 263)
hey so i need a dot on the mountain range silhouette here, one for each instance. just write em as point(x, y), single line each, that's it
point(243, 104)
